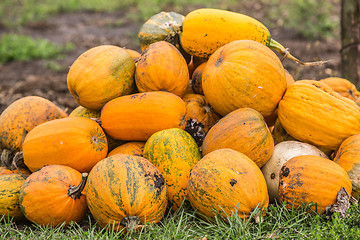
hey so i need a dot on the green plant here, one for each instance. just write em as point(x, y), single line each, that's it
point(22, 48)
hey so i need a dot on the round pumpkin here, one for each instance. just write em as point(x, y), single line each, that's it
point(10, 185)
point(23, 115)
point(100, 74)
point(76, 142)
point(306, 179)
point(131, 148)
point(162, 67)
point(125, 191)
point(243, 130)
point(289, 78)
point(244, 74)
point(54, 195)
point(174, 152)
point(348, 157)
point(228, 182)
point(136, 117)
point(312, 112)
point(282, 153)
point(342, 86)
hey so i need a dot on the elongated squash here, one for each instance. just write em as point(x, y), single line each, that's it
point(205, 30)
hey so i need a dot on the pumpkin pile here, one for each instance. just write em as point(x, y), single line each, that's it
point(205, 115)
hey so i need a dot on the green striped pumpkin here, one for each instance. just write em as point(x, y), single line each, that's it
point(174, 152)
point(10, 185)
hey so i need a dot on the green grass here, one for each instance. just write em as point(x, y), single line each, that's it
point(22, 47)
point(279, 223)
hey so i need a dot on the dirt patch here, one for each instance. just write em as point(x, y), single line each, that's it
point(89, 29)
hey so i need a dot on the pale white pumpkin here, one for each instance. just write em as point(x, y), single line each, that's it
point(283, 152)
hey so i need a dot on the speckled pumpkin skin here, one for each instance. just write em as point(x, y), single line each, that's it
point(136, 117)
point(174, 152)
point(241, 74)
point(9, 195)
point(44, 197)
point(243, 130)
point(348, 157)
point(4, 170)
point(24, 114)
point(77, 142)
point(123, 186)
point(312, 112)
point(162, 67)
point(342, 86)
point(305, 179)
point(81, 111)
point(131, 148)
point(100, 74)
point(227, 181)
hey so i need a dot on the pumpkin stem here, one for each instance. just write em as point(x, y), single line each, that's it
point(131, 223)
point(17, 161)
point(75, 191)
point(341, 205)
point(286, 54)
point(5, 158)
point(97, 120)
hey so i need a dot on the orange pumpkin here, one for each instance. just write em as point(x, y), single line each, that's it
point(162, 67)
point(54, 195)
point(289, 78)
point(134, 54)
point(76, 142)
point(312, 112)
point(125, 191)
point(348, 157)
point(100, 74)
point(131, 148)
point(243, 130)
point(242, 74)
point(136, 117)
point(10, 185)
point(196, 79)
point(342, 86)
point(23, 115)
point(221, 180)
point(308, 178)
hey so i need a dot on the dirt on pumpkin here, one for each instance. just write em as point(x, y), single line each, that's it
point(89, 29)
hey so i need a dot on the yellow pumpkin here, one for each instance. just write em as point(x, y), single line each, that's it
point(342, 86)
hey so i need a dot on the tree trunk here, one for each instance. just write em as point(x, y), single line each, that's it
point(350, 40)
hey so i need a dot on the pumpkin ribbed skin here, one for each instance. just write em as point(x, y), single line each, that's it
point(311, 113)
point(348, 157)
point(136, 117)
point(342, 86)
point(242, 74)
point(205, 30)
point(81, 111)
point(23, 115)
point(243, 130)
point(124, 186)
point(198, 109)
point(227, 181)
point(10, 185)
point(174, 152)
point(305, 179)
point(162, 67)
point(100, 74)
point(131, 148)
point(45, 196)
point(76, 142)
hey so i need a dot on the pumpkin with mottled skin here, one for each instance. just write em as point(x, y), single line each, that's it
point(174, 152)
point(308, 178)
point(348, 157)
point(10, 185)
point(54, 195)
point(243, 130)
point(228, 182)
point(241, 74)
point(76, 142)
point(5, 170)
point(162, 67)
point(131, 148)
point(100, 74)
point(199, 109)
point(342, 86)
point(124, 191)
point(312, 112)
point(81, 111)
point(23, 115)
point(136, 117)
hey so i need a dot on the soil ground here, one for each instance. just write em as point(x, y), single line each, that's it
point(89, 29)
